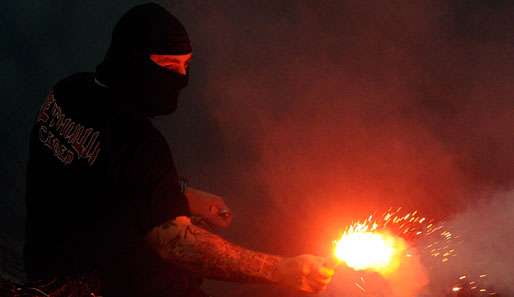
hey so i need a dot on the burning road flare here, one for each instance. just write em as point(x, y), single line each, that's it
point(362, 247)
point(393, 245)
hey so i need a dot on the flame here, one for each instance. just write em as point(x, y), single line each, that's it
point(362, 247)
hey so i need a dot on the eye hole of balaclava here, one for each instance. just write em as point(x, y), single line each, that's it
point(176, 63)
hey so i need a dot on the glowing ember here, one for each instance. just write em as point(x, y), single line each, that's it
point(362, 247)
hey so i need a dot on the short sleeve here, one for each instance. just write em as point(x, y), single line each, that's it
point(166, 201)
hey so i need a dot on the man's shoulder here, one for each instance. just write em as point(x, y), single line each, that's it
point(75, 81)
point(78, 93)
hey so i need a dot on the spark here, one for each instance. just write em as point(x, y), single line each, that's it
point(360, 287)
point(456, 289)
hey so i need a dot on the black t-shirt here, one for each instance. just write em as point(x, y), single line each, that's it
point(98, 179)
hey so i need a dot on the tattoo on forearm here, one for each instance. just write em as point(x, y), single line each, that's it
point(211, 256)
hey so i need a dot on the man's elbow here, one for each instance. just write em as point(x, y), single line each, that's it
point(166, 238)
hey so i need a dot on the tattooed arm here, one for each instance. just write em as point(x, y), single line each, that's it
point(205, 253)
point(180, 242)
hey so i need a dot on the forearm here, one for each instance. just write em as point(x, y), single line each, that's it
point(209, 255)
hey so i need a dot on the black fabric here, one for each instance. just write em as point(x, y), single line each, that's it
point(98, 179)
point(82, 286)
point(145, 87)
point(149, 28)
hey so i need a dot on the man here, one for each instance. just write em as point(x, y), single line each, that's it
point(104, 202)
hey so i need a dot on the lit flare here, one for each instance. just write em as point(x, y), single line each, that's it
point(362, 247)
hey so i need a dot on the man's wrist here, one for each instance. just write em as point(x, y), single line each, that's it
point(274, 273)
point(269, 268)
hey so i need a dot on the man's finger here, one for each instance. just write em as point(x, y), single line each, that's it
point(319, 279)
point(327, 272)
point(307, 287)
point(312, 287)
point(316, 285)
point(223, 215)
point(225, 212)
point(322, 281)
point(220, 210)
point(218, 221)
point(322, 271)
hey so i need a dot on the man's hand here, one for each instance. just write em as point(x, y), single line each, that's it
point(209, 207)
point(305, 273)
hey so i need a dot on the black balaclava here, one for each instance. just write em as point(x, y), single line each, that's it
point(140, 85)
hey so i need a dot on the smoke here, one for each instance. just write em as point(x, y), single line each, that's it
point(327, 111)
point(324, 112)
point(483, 249)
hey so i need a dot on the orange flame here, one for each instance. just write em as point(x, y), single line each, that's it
point(362, 247)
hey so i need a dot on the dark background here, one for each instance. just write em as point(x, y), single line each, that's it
point(305, 115)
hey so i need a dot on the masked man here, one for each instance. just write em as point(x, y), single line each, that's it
point(106, 211)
